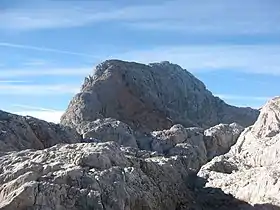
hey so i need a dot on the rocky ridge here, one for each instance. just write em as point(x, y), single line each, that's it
point(19, 133)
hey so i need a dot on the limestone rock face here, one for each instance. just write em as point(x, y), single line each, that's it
point(103, 176)
point(108, 129)
point(251, 169)
point(150, 97)
point(182, 141)
point(91, 176)
point(220, 138)
point(195, 143)
point(19, 133)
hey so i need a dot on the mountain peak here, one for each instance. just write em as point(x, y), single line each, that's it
point(144, 97)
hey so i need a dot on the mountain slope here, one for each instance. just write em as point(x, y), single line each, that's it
point(151, 97)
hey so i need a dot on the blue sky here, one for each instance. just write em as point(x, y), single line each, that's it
point(47, 47)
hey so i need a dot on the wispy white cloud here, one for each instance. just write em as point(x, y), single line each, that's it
point(49, 116)
point(43, 49)
point(258, 59)
point(31, 72)
point(35, 63)
point(51, 89)
point(218, 16)
point(242, 97)
point(33, 108)
point(13, 81)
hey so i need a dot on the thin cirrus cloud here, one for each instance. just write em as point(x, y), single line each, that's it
point(260, 59)
point(218, 16)
point(254, 59)
point(24, 72)
point(43, 49)
point(39, 90)
point(50, 116)
point(35, 63)
point(13, 81)
point(242, 97)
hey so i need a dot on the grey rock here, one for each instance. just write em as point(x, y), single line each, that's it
point(181, 141)
point(251, 169)
point(150, 97)
point(220, 138)
point(91, 176)
point(19, 133)
point(108, 129)
point(101, 176)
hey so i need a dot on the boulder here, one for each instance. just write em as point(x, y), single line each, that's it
point(219, 139)
point(108, 129)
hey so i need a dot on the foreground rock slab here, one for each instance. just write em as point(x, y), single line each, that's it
point(91, 176)
point(104, 176)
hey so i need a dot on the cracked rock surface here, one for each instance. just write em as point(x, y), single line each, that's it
point(91, 176)
point(251, 169)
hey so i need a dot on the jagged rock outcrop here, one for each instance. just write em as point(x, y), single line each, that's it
point(103, 176)
point(19, 133)
point(91, 176)
point(219, 139)
point(150, 97)
point(182, 141)
point(195, 143)
point(251, 169)
point(108, 129)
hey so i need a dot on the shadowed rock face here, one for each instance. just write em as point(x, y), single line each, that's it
point(251, 169)
point(19, 133)
point(150, 97)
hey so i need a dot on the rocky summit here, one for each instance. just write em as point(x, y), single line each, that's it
point(151, 97)
point(142, 137)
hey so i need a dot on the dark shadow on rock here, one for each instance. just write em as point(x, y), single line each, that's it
point(208, 198)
